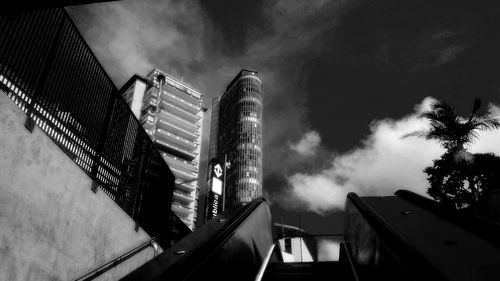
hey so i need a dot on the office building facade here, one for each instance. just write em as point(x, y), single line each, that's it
point(171, 113)
point(236, 136)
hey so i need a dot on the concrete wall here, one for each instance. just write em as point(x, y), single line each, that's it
point(52, 226)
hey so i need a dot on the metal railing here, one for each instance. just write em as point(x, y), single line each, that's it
point(232, 246)
point(50, 72)
point(265, 263)
point(98, 271)
point(378, 250)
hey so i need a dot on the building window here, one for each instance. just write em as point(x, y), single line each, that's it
point(288, 245)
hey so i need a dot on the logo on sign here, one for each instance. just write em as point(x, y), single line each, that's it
point(218, 170)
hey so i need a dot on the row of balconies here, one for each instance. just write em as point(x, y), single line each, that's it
point(175, 149)
point(168, 125)
point(184, 187)
point(179, 117)
point(173, 86)
point(171, 123)
point(180, 102)
point(176, 120)
point(182, 210)
point(168, 137)
point(183, 176)
point(183, 198)
point(172, 161)
point(190, 117)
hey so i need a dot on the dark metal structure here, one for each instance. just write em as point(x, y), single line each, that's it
point(232, 246)
point(50, 72)
point(402, 237)
point(410, 237)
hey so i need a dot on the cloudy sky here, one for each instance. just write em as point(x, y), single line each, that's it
point(343, 81)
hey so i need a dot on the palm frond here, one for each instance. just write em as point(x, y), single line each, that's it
point(453, 131)
point(475, 108)
point(419, 134)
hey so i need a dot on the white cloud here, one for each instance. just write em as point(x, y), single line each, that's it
point(489, 141)
point(134, 36)
point(308, 144)
point(384, 163)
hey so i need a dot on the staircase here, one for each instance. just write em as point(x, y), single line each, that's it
point(306, 271)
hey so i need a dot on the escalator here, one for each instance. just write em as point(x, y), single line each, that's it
point(401, 237)
point(305, 271)
point(236, 245)
point(339, 268)
point(231, 246)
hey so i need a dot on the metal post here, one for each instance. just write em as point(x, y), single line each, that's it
point(224, 185)
point(300, 238)
point(103, 135)
point(139, 185)
point(29, 123)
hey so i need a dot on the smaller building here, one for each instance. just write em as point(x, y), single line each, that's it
point(171, 112)
point(295, 244)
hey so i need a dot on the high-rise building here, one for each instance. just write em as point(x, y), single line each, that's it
point(236, 136)
point(171, 113)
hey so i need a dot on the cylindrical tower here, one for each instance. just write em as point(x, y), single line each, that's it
point(240, 138)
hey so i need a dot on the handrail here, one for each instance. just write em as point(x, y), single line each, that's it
point(264, 264)
point(350, 263)
point(94, 273)
point(185, 257)
point(488, 230)
point(405, 252)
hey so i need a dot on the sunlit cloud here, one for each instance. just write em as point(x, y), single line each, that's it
point(385, 162)
point(308, 144)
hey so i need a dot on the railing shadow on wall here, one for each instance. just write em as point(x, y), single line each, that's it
point(50, 72)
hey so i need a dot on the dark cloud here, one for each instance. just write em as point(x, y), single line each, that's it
point(385, 56)
point(236, 24)
point(332, 66)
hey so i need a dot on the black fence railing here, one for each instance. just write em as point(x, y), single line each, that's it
point(49, 71)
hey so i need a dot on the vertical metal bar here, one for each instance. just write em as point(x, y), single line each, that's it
point(23, 59)
point(85, 79)
point(40, 52)
point(45, 93)
point(97, 104)
point(14, 46)
point(102, 139)
point(93, 82)
point(30, 124)
point(73, 81)
point(139, 185)
point(224, 183)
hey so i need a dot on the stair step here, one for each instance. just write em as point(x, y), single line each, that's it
point(307, 271)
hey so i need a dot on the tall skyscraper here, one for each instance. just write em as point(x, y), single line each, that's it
point(236, 136)
point(171, 113)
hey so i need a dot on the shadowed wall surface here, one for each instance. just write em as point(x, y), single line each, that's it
point(52, 226)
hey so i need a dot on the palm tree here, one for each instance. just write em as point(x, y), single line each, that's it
point(456, 133)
